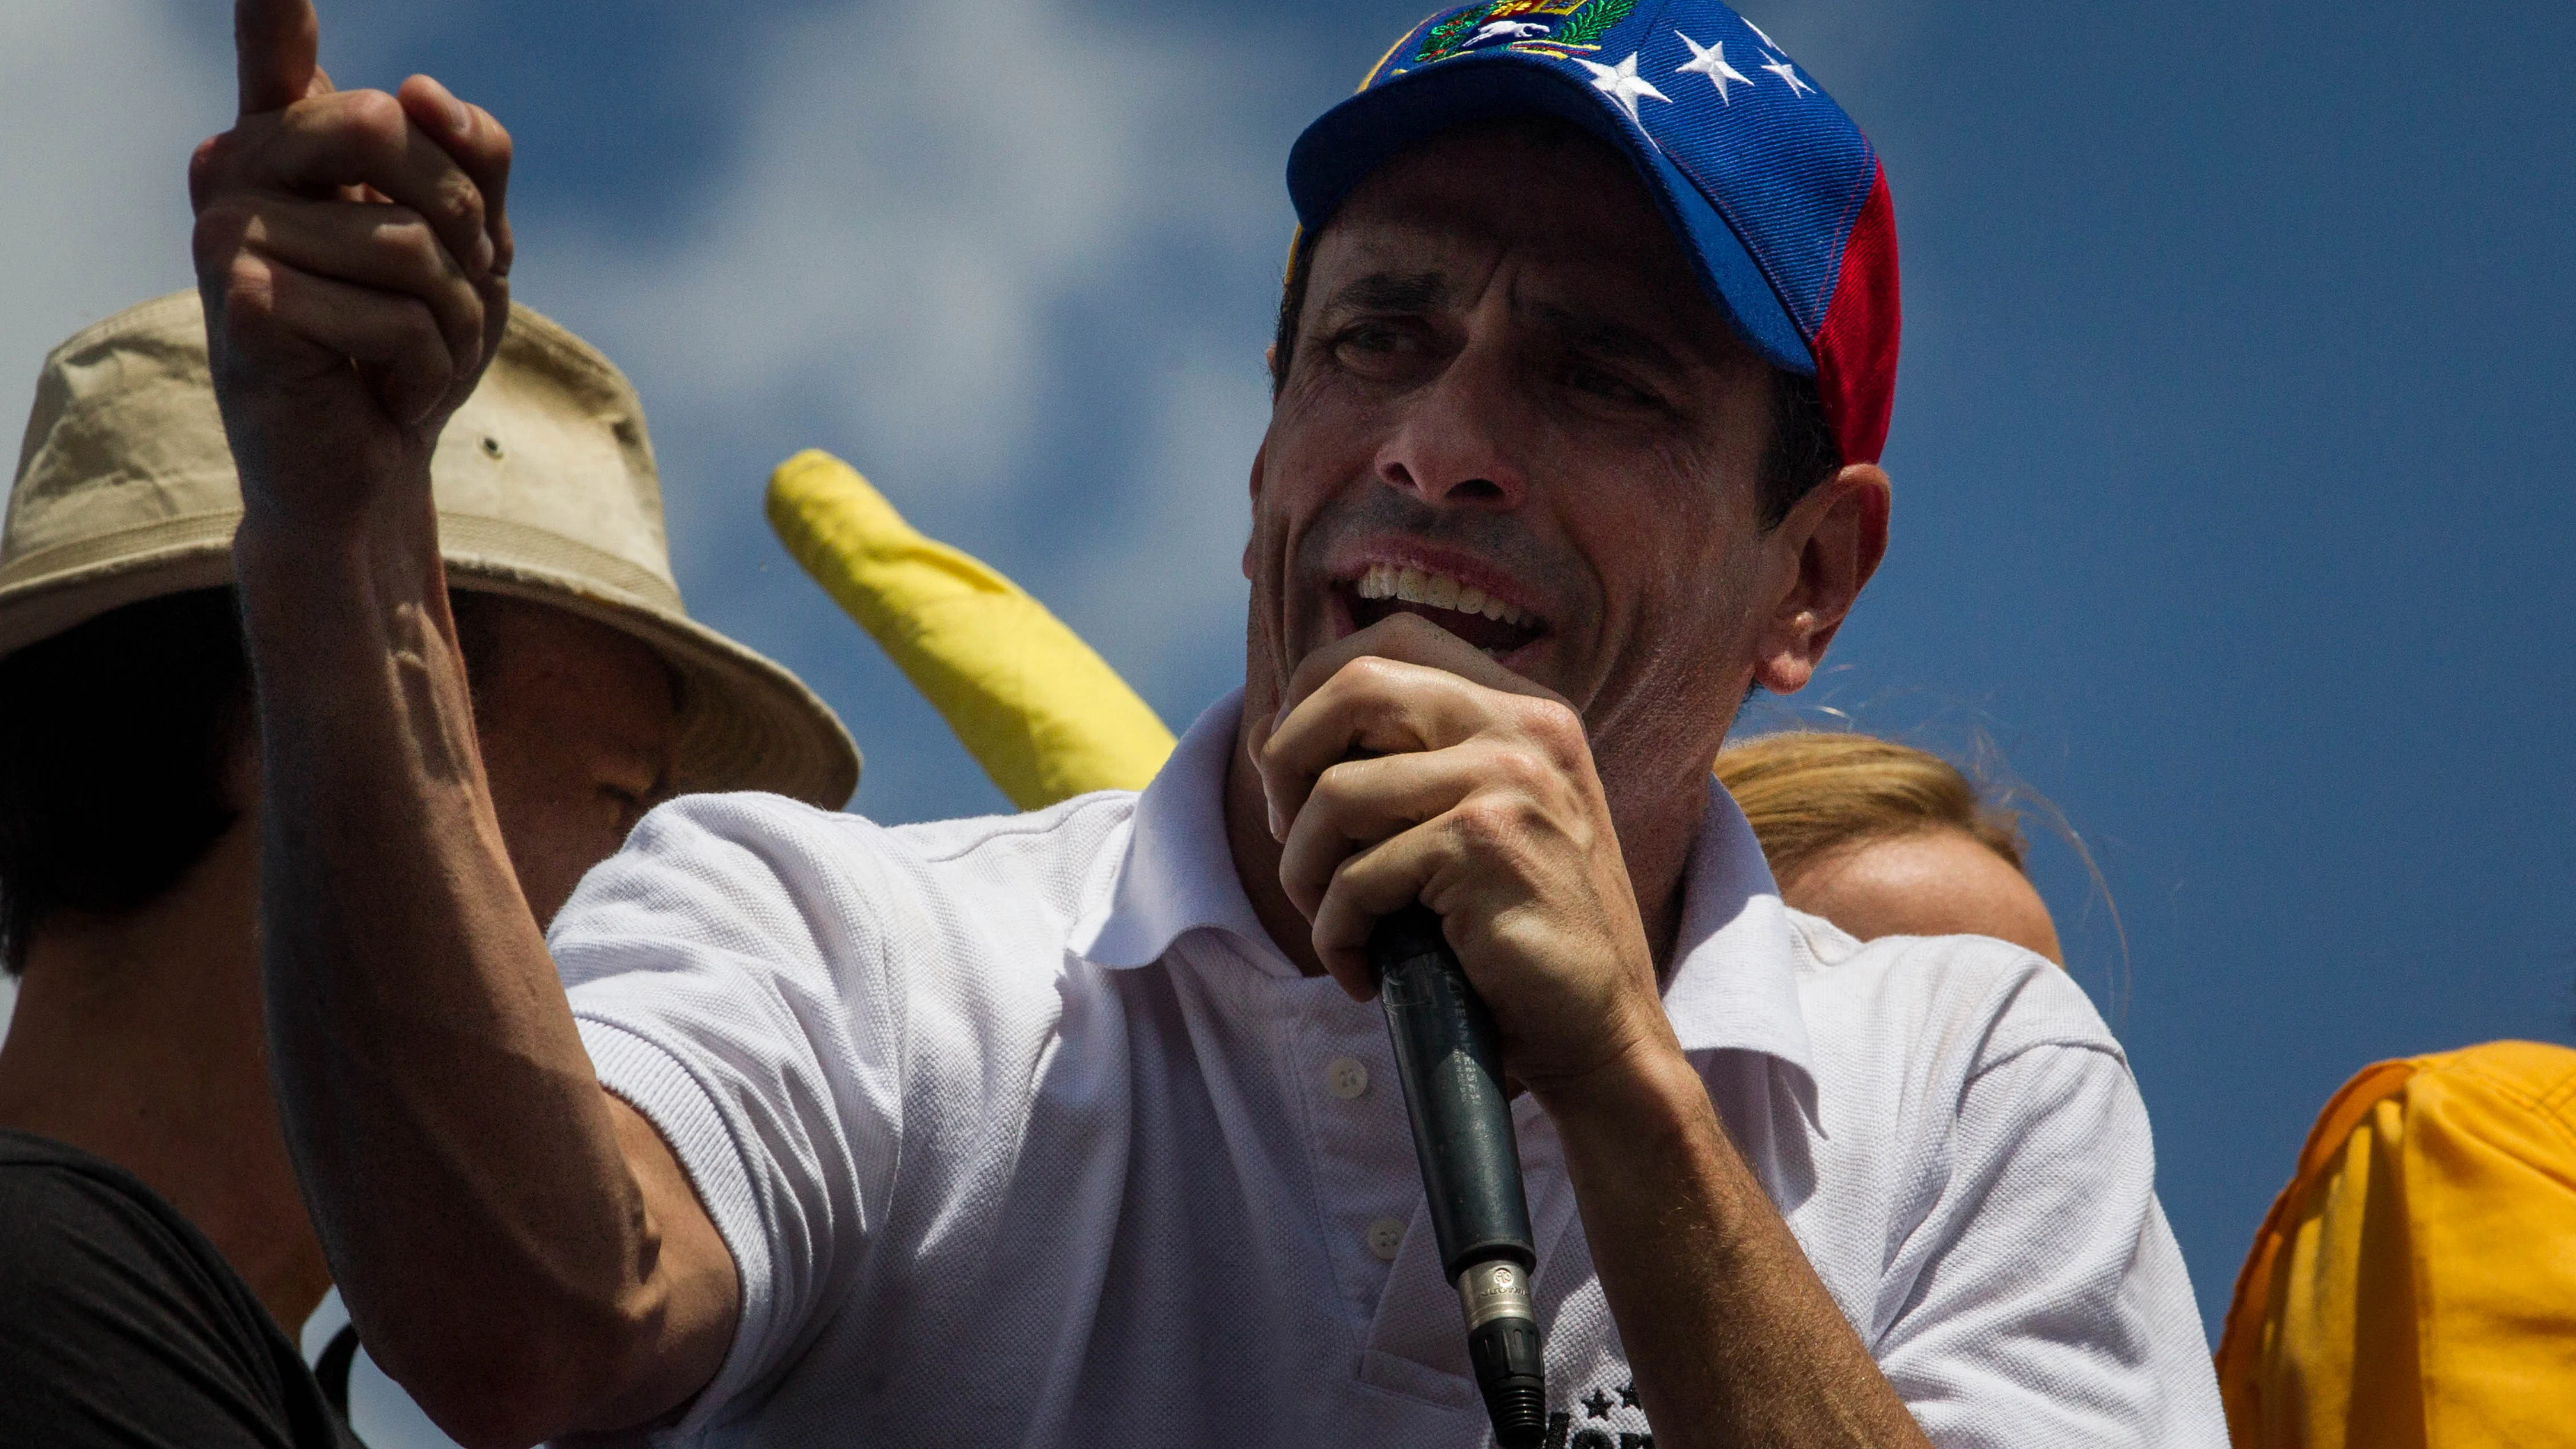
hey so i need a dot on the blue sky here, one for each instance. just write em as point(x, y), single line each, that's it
point(2232, 439)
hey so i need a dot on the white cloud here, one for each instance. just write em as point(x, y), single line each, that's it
point(100, 104)
point(910, 211)
point(943, 228)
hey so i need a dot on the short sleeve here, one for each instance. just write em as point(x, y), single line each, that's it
point(120, 1330)
point(2049, 1301)
point(728, 979)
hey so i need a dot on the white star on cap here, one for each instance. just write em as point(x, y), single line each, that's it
point(1767, 42)
point(1621, 83)
point(1781, 67)
point(1710, 61)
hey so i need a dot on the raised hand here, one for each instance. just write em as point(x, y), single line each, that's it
point(354, 257)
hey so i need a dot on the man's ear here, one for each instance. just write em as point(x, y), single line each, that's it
point(1829, 545)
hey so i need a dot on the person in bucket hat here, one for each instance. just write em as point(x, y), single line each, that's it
point(546, 492)
point(1076, 1126)
point(158, 1253)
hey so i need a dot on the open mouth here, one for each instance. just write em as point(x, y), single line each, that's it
point(1488, 623)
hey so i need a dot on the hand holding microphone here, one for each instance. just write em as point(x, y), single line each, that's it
point(1412, 773)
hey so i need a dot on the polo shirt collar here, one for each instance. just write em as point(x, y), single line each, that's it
point(1734, 986)
point(1178, 874)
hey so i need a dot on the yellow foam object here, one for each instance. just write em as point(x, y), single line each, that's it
point(2415, 1285)
point(1046, 717)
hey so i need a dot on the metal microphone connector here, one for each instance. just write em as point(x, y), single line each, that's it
point(1503, 1347)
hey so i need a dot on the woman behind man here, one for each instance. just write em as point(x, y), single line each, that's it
point(1885, 840)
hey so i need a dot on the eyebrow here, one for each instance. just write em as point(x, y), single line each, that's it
point(1609, 339)
point(1392, 292)
point(1426, 291)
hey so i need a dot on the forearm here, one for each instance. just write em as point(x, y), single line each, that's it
point(1732, 1337)
point(463, 1167)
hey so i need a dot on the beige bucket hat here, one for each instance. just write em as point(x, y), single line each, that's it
point(546, 491)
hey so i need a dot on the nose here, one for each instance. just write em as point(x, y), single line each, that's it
point(1455, 446)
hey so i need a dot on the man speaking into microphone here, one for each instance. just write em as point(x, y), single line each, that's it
point(1077, 1127)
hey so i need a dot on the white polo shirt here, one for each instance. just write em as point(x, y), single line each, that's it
point(1021, 1132)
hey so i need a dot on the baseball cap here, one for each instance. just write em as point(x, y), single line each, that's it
point(1774, 192)
point(545, 487)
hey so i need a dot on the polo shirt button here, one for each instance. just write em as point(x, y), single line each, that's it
point(1346, 1077)
point(1386, 1238)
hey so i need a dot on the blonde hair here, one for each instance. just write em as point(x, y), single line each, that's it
point(1810, 795)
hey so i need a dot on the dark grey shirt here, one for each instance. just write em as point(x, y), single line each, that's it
point(121, 1325)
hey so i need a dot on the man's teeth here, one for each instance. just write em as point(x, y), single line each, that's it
point(1413, 586)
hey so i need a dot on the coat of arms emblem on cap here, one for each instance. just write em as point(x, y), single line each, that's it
point(1544, 27)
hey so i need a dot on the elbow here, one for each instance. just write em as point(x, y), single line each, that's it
point(491, 1388)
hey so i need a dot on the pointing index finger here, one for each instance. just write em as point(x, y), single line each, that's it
point(275, 47)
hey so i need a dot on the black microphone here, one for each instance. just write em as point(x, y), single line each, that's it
point(1471, 1162)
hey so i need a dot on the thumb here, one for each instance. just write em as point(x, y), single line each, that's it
point(275, 43)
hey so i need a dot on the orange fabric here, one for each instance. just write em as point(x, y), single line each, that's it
point(2414, 1287)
